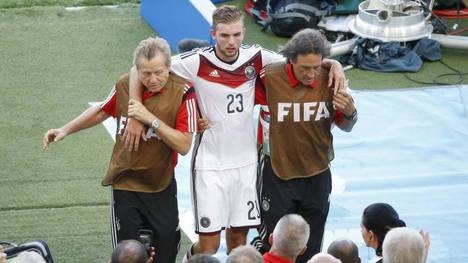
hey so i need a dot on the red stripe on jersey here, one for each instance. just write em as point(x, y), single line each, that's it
point(260, 126)
point(233, 79)
point(187, 116)
point(260, 93)
point(188, 113)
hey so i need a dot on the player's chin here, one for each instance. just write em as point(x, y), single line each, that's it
point(231, 52)
point(154, 88)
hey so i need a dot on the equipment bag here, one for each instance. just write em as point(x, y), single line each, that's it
point(290, 16)
point(286, 17)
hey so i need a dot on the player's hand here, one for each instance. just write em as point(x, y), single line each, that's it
point(427, 242)
point(343, 101)
point(138, 111)
point(53, 135)
point(203, 124)
point(336, 75)
point(134, 130)
point(152, 254)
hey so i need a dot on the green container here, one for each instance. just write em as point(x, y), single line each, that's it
point(345, 7)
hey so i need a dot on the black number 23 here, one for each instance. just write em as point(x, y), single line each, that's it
point(254, 212)
point(232, 107)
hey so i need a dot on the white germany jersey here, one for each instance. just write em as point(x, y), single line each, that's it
point(225, 94)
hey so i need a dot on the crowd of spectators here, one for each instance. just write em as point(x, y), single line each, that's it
point(381, 227)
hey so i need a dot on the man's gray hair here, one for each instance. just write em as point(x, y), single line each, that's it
point(28, 257)
point(290, 235)
point(323, 258)
point(403, 245)
point(304, 42)
point(150, 48)
point(245, 254)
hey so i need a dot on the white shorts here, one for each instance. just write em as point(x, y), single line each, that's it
point(225, 198)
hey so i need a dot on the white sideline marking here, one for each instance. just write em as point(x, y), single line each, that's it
point(79, 8)
point(75, 8)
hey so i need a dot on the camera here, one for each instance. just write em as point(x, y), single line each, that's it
point(145, 236)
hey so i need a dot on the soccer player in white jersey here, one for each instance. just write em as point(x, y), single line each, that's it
point(224, 159)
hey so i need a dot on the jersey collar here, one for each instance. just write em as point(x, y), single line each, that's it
point(149, 94)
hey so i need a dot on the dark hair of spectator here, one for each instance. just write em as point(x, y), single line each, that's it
point(380, 218)
point(344, 250)
point(188, 44)
point(129, 251)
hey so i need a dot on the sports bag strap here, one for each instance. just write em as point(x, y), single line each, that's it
point(305, 7)
point(290, 14)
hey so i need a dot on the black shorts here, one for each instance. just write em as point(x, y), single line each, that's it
point(308, 197)
point(158, 212)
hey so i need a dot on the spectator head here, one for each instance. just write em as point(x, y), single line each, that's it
point(344, 250)
point(403, 245)
point(289, 238)
point(129, 251)
point(305, 51)
point(245, 254)
point(323, 258)
point(203, 258)
point(28, 257)
point(152, 59)
point(377, 220)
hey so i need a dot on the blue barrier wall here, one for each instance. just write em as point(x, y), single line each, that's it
point(176, 20)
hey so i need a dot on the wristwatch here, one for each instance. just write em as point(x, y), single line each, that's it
point(155, 123)
point(352, 116)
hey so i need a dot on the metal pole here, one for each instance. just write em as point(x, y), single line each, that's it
point(449, 41)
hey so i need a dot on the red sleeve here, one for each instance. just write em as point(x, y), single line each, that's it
point(109, 104)
point(260, 93)
point(187, 117)
point(339, 117)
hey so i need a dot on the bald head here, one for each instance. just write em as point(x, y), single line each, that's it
point(323, 258)
point(344, 250)
point(129, 251)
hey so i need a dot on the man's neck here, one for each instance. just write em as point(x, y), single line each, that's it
point(227, 60)
point(279, 254)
